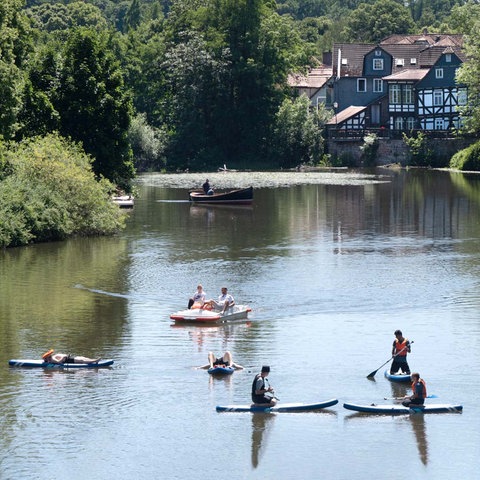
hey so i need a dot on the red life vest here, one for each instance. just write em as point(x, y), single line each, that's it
point(424, 387)
point(400, 346)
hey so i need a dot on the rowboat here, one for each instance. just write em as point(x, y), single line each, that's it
point(398, 377)
point(200, 315)
point(239, 196)
point(286, 407)
point(42, 364)
point(401, 410)
point(218, 370)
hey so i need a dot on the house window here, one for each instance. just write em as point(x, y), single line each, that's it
point(439, 124)
point(448, 57)
point(378, 53)
point(361, 85)
point(413, 61)
point(400, 62)
point(398, 123)
point(377, 85)
point(394, 94)
point(439, 73)
point(438, 98)
point(378, 63)
point(410, 123)
point(407, 94)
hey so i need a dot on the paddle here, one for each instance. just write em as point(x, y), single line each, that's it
point(371, 375)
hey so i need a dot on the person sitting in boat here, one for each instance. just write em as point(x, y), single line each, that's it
point(60, 358)
point(207, 189)
point(401, 346)
point(419, 389)
point(225, 361)
point(225, 301)
point(198, 298)
point(262, 392)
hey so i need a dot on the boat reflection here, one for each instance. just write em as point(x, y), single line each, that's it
point(261, 426)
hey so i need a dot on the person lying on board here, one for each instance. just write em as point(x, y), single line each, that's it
point(262, 392)
point(419, 389)
point(60, 358)
point(224, 302)
point(198, 298)
point(225, 361)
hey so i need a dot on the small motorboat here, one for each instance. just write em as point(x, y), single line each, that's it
point(203, 315)
point(124, 201)
point(242, 196)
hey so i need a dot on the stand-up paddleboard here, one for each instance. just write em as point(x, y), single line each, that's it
point(401, 410)
point(42, 364)
point(218, 370)
point(398, 377)
point(285, 407)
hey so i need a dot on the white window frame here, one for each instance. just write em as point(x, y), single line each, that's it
point(378, 63)
point(377, 85)
point(462, 96)
point(448, 57)
point(395, 94)
point(410, 123)
point(439, 124)
point(407, 94)
point(439, 73)
point(360, 82)
point(438, 98)
point(399, 123)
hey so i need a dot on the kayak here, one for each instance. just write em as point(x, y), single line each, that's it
point(401, 410)
point(201, 315)
point(398, 377)
point(42, 364)
point(285, 407)
point(217, 370)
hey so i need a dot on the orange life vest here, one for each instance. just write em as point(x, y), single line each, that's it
point(401, 346)
point(424, 387)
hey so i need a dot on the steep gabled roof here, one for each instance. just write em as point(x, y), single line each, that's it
point(351, 61)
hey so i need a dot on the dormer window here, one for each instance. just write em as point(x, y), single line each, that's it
point(344, 61)
point(378, 53)
point(413, 61)
point(448, 57)
point(400, 62)
point(378, 63)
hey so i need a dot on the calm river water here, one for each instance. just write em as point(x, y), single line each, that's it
point(331, 264)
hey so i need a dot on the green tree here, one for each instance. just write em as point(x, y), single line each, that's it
point(373, 22)
point(297, 135)
point(93, 104)
point(50, 193)
point(14, 49)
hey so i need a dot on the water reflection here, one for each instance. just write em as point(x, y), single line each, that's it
point(418, 424)
point(262, 424)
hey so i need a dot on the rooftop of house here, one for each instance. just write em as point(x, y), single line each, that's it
point(315, 78)
point(345, 114)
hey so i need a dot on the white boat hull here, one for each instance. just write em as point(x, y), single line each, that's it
point(237, 312)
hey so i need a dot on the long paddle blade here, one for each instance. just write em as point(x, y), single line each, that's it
point(398, 399)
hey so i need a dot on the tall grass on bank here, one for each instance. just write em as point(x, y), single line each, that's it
point(49, 192)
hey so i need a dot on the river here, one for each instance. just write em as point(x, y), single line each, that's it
point(331, 263)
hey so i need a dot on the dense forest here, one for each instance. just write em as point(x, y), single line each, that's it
point(187, 84)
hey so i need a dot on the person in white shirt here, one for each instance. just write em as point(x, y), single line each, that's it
point(224, 302)
point(197, 298)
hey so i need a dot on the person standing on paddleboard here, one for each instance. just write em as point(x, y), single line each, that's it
point(401, 346)
point(262, 392)
point(419, 389)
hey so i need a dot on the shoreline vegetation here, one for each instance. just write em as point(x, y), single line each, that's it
point(49, 192)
